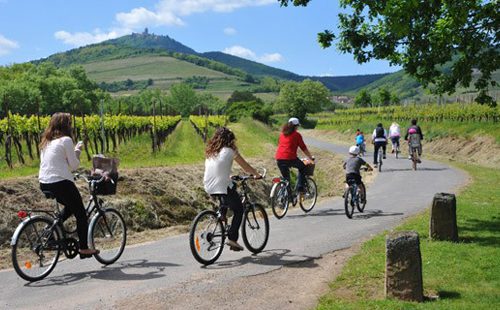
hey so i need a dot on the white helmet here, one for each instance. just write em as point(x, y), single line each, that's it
point(354, 150)
point(294, 121)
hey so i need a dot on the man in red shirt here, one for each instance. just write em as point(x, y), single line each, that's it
point(286, 154)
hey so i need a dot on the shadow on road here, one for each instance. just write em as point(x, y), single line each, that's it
point(131, 270)
point(274, 257)
point(374, 213)
point(322, 212)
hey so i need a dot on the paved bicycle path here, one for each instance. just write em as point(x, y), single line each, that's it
point(167, 264)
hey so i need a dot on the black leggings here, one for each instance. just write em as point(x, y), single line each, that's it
point(68, 195)
point(232, 200)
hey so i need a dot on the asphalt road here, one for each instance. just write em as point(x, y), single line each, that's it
point(167, 264)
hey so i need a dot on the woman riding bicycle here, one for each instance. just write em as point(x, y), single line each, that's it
point(286, 154)
point(58, 158)
point(219, 153)
point(394, 135)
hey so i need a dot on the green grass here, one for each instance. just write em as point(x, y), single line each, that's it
point(252, 137)
point(466, 275)
point(146, 67)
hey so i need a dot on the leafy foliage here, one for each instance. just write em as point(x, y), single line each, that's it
point(298, 99)
point(423, 36)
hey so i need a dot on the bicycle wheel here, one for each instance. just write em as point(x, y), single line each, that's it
point(255, 231)
point(380, 159)
point(361, 199)
point(310, 195)
point(206, 237)
point(348, 202)
point(36, 249)
point(414, 159)
point(108, 234)
point(279, 200)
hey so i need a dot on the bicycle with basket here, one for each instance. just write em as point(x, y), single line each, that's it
point(42, 237)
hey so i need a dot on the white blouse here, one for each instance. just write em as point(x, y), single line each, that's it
point(57, 160)
point(217, 176)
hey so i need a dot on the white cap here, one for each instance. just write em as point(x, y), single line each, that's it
point(354, 150)
point(294, 121)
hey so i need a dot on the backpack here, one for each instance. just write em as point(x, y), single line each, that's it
point(414, 140)
point(379, 132)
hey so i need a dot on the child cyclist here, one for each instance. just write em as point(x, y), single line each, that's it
point(360, 142)
point(352, 166)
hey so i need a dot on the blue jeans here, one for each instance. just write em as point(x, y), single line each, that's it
point(284, 166)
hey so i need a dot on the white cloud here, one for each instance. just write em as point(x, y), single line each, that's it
point(6, 45)
point(244, 52)
point(165, 13)
point(84, 38)
point(229, 31)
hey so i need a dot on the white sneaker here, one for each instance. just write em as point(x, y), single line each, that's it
point(233, 245)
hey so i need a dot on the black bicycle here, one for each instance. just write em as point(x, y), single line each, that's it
point(354, 197)
point(281, 197)
point(39, 240)
point(209, 229)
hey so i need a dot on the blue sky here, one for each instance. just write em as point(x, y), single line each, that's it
point(259, 30)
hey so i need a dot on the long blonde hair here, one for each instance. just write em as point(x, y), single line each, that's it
point(59, 126)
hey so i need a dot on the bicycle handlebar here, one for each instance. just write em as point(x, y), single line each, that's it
point(250, 176)
point(90, 179)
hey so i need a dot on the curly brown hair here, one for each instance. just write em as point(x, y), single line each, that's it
point(59, 126)
point(288, 129)
point(223, 137)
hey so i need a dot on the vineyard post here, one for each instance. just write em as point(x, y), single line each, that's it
point(8, 139)
point(39, 132)
point(103, 136)
point(154, 126)
point(161, 110)
point(85, 136)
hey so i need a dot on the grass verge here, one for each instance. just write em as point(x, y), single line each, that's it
point(465, 275)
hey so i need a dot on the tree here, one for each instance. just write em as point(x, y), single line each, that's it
point(183, 98)
point(437, 42)
point(363, 99)
point(383, 97)
point(298, 99)
point(241, 96)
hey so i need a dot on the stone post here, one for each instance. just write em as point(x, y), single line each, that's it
point(443, 222)
point(403, 268)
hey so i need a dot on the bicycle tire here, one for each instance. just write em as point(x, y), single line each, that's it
point(349, 210)
point(255, 228)
point(414, 159)
point(280, 200)
point(379, 158)
point(310, 195)
point(361, 200)
point(206, 236)
point(108, 234)
point(21, 270)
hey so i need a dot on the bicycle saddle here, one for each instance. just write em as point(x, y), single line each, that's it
point(49, 195)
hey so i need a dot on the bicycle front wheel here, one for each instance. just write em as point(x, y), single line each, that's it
point(310, 196)
point(255, 228)
point(35, 250)
point(361, 199)
point(206, 237)
point(349, 202)
point(280, 200)
point(108, 234)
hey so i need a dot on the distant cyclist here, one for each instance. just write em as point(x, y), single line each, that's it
point(394, 135)
point(286, 154)
point(414, 137)
point(220, 152)
point(352, 166)
point(360, 142)
point(379, 140)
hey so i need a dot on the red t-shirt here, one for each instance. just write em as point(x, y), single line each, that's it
point(287, 146)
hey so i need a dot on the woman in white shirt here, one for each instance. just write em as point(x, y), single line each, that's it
point(58, 159)
point(394, 134)
point(219, 153)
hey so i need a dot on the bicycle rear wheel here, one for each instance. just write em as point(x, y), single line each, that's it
point(108, 234)
point(310, 195)
point(36, 249)
point(206, 237)
point(379, 159)
point(348, 202)
point(361, 199)
point(279, 199)
point(255, 228)
point(414, 159)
